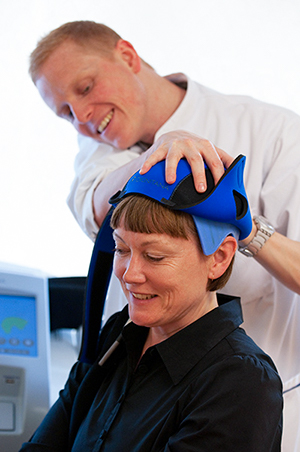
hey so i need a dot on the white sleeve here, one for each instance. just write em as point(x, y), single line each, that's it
point(280, 192)
point(92, 164)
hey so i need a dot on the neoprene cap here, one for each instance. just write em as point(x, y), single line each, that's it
point(221, 210)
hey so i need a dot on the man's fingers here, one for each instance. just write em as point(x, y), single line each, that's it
point(157, 156)
point(226, 158)
point(195, 149)
point(206, 154)
point(171, 167)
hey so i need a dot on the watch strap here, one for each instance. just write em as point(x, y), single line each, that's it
point(264, 231)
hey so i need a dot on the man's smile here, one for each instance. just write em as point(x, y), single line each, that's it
point(105, 121)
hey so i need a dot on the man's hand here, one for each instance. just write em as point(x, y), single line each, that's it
point(174, 146)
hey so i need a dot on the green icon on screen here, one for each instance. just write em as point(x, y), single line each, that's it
point(8, 323)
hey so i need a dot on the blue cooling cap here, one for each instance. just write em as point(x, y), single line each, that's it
point(220, 211)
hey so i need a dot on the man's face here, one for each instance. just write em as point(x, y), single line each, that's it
point(103, 97)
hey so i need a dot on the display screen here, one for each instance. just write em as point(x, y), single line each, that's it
point(18, 334)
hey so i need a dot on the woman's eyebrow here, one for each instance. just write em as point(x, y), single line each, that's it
point(145, 243)
point(115, 235)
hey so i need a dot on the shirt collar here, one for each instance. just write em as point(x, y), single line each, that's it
point(179, 353)
point(205, 332)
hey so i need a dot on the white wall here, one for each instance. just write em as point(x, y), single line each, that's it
point(235, 46)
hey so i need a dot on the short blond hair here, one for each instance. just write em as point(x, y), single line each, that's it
point(144, 215)
point(84, 33)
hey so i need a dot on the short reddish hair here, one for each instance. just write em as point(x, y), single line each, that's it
point(83, 33)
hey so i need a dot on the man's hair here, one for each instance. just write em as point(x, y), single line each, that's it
point(84, 33)
point(144, 215)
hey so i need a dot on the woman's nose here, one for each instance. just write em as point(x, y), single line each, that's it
point(133, 272)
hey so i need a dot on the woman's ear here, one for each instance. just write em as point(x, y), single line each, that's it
point(222, 257)
point(129, 55)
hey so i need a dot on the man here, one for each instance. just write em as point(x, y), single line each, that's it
point(120, 106)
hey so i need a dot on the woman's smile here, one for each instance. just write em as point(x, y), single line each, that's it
point(140, 296)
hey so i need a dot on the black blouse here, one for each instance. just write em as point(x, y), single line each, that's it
point(207, 388)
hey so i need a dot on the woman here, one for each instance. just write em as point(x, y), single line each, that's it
point(174, 371)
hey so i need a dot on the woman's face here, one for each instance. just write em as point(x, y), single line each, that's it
point(164, 279)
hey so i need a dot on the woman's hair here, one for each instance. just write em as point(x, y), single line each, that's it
point(84, 33)
point(140, 214)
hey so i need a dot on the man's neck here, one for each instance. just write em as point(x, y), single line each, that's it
point(164, 97)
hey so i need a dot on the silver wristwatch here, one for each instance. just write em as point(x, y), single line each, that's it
point(264, 232)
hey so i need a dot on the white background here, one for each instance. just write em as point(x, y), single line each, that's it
point(234, 46)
